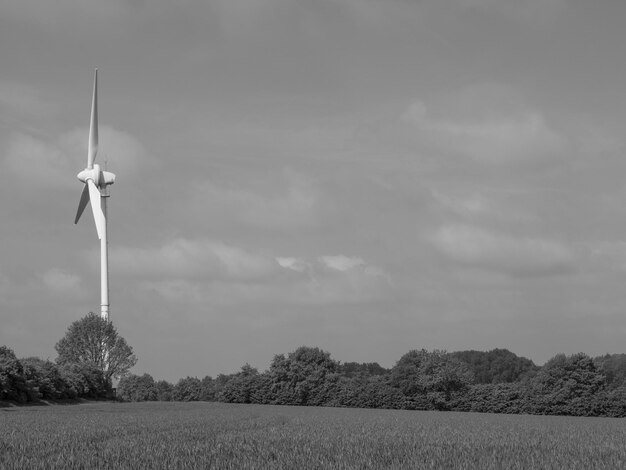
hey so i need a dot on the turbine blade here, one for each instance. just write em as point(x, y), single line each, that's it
point(84, 199)
point(96, 207)
point(93, 125)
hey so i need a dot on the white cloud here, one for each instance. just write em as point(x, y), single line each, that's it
point(208, 271)
point(313, 287)
point(43, 165)
point(62, 11)
point(472, 205)
point(341, 262)
point(182, 258)
point(502, 205)
point(54, 164)
point(295, 264)
point(497, 139)
point(239, 17)
point(477, 247)
point(609, 255)
point(286, 201)
point(4, 285)
point(22, 99)
point(61, 281)
point(123, 152)
point(535, 11)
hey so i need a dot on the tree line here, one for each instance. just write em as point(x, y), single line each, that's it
point(92, 354)
point(497, 381)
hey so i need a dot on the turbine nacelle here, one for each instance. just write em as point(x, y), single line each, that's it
point(99, 177)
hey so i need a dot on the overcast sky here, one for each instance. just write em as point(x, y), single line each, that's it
point(366, 176)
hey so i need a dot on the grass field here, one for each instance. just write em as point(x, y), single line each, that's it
point(216, 435)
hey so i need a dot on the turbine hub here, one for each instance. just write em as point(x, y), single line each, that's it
point(93, 174)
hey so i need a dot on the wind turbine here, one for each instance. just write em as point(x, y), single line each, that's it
point(95, 191)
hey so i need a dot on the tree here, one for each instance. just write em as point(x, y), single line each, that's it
point(365, 392)
point(208, 389)
point(613, 366)
point(93, 340)
point(496, 366)
point(187, 389)
point(431, 379)
point(12, 383)
point(163, 390)
point(247, 386)
point(300, 378)
point(137, 388)
point(566, 385)
point(43, 378)
point(85, 380)
point(366, 369)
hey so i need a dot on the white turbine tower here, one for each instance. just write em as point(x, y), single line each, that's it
point(95, 191)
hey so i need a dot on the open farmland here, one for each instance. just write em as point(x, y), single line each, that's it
point(216, 435)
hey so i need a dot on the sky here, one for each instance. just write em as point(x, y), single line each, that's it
point(365, 176)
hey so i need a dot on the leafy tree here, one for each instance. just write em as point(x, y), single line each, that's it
point(12, 383)
point(164, 390)
point(366, 392)
point(85, 381)
point(208, 389)
point(187, 389)
point(502, 397)
point(299, 378)
point(611, 403)
point(137, 388)
point(93, 340)
point(44, 379)
point(219, 383)
point(430, 379)
point(496, 366)
point(247, 386)
point(405, 374)
point(354, 369)
point(566, 385)
point(613, 366)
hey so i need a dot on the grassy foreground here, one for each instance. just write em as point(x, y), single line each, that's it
point(217, 435)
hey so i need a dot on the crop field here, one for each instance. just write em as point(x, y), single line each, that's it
point(217, 435)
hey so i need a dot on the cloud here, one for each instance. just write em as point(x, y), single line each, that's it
point(182, 258)
point(277, 202)
point(349, 287)
point(341, 262)
point(608, 255)
point(295, 264)
point(54, 164)
point(213, 272)
point(497, 139)
point(336, 278)
point(120, 150)
point(5, 285)
point(499, 205)
point(476, 247)
point(61, 281)
point(63, 11)
point(469, 206)
point(22, 99)
point(34, 161)
point(533, 11)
